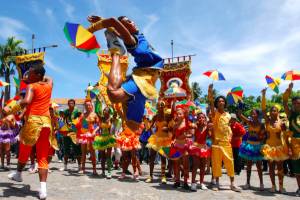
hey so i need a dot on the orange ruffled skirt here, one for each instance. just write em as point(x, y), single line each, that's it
point(128, 140)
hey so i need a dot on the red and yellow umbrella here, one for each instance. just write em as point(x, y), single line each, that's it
point(291, 75)
point(215, 75)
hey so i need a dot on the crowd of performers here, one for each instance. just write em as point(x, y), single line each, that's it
point(201, 140)
point(185, 140)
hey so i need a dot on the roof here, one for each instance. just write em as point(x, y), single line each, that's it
point(62, 101)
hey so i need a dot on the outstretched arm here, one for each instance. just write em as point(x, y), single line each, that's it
point(210, 97)
point(285, 98)
point(264, 104)
point(242, 117)
point(116, 24)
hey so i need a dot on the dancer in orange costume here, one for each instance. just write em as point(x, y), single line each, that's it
point(37, 129)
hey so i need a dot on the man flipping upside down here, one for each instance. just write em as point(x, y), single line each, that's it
point(140, 85)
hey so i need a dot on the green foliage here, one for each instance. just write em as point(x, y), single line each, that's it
point(7, 67)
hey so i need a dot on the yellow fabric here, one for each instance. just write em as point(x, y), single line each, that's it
point(104, 64)
point(219, 155)
point(222, 131)
point(14, 107)
point(160, 138)
point(275, 148)
point(30, 132)
point(295, 147)
point(145, 80)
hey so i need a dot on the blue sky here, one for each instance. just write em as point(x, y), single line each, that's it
point(243, 39)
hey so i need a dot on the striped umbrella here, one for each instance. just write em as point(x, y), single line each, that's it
point(273, 83)
point(235, 95)
point(291, 75)
point(215, 75)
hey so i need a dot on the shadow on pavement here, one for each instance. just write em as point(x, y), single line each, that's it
point(17, 190)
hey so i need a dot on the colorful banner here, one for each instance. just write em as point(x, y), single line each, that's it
point(175, 81)
point(104, 64)
point(23, 61)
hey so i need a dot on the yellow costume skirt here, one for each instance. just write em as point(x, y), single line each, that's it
point(159, 140)
point(31, 130)
point(275, 153)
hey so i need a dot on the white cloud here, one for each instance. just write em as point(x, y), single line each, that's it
point(152, 19)
point(69, 9)
point(12, 27)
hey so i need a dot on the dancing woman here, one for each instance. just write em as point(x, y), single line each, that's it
point(158, 140)
point(200, 151)
point(181, 144)
point(275, 150)
point(250, 149)
point(105, 141)
point(87, 128)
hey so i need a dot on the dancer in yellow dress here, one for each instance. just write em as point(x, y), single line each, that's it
point(294, 127)
point(160, 139)
point(275, 150)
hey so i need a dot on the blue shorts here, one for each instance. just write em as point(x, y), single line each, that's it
point(136, 104)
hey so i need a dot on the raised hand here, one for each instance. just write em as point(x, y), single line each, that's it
point(93, 18)
point(263, 92)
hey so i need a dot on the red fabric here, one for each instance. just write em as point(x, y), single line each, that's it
point(238, 131)
point(42, 149)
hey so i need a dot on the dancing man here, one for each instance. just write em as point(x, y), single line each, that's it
point(140, 85)
point(37, 128)
point(221, 147)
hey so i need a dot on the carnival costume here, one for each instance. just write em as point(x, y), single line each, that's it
point(275, 148)
point(85, 132)
point(199, 147)
point(128, 140)
point(250, 149)
point(160, 138)
point(105, 140)
point(294, 122)
point(221, 147)
point(8, 134)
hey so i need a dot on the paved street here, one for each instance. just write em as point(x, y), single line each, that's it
point(72, 186)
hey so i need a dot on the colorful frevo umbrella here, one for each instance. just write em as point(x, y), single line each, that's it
point(186, 103)
point(291, 75)
point(3, 84)
point(80, 38)
point(235, 95)
point(273, 83)
point(215, 75)
point(170, 153)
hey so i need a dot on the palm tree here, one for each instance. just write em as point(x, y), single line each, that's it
point(8, 64)
point(196, 90)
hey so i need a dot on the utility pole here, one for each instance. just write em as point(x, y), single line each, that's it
point(172, 49)
point(32, 39)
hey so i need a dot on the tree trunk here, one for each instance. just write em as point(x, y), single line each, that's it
point(7, 88)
